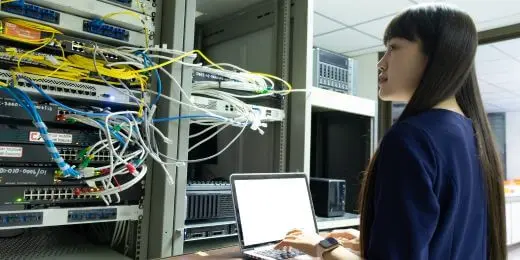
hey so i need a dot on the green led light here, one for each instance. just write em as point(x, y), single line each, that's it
point(19, 200)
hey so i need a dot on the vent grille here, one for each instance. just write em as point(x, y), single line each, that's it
point(209, 206)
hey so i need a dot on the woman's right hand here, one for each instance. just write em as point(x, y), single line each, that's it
point(349, 238)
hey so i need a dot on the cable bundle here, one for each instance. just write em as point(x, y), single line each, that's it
point(131, 136)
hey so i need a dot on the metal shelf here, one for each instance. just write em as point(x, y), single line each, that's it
point(207, 238)
point(209, 224)
point(54, 243)
point(332, 100)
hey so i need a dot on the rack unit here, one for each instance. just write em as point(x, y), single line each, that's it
point(273, 37)
point(56, 219)
point(267, 36)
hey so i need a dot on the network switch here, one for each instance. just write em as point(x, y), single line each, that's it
point(226, 109)
point(75, 25)
point(28, 134)
point(94, 9)
point(74, 91)
point(204, 77)
point(12, 153)
point(12, 111)
point(21, 175)
point(43, 186)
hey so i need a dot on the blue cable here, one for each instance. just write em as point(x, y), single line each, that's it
point(51, 99)
point(147, 63)
point(29, 107)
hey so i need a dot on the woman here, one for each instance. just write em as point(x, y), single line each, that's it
point(434, 188)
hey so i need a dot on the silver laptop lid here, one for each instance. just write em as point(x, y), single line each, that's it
point(269, 205)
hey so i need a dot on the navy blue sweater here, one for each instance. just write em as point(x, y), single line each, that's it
point(429, 200)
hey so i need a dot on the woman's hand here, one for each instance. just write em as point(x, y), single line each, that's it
point(349, 238)
point(306, 243)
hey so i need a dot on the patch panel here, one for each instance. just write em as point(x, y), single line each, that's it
point(93, 9)
point(124, 2)
point(20, 219)
point(100, 28)
point(148, 7)
point(74, 25)
point(92, 215)
point(65, 216)
point(32, 11)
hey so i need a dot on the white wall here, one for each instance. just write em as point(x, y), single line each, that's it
point(513, 144)
point(367, 75)
point(367, 81)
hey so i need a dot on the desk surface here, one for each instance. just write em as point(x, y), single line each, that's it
point(222, 253)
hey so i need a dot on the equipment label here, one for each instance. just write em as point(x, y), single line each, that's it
point(55, 137)
point(12, 152)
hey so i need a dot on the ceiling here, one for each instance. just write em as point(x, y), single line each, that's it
point(360, 31)
point(497, 67)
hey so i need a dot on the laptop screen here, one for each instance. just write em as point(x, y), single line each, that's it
point(269, 208)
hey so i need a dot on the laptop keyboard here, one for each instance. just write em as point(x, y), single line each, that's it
point(280, 254)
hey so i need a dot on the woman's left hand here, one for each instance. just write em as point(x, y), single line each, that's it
point(306, 243)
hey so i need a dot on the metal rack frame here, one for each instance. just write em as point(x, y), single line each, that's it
point(159, 232)
point(163, 223)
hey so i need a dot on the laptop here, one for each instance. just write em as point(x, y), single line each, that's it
point(267, 206)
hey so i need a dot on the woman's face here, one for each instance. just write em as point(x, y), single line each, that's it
point(401, 70)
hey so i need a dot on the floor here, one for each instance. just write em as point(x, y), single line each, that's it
point(514, 252)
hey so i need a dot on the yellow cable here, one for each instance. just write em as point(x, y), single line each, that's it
point(7, 1)
point(33, 50)
point(133, 14)
point(289, 86)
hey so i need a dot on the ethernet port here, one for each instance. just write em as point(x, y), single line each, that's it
point(52, 88)
point(66, 90)
point(44, 87)
point(93, 94)
point(73, 91)
point(59, 89)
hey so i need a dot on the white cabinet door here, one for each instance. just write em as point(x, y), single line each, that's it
point(515, 222)
point(509, 226)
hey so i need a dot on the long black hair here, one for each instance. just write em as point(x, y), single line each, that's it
point(449, 39)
